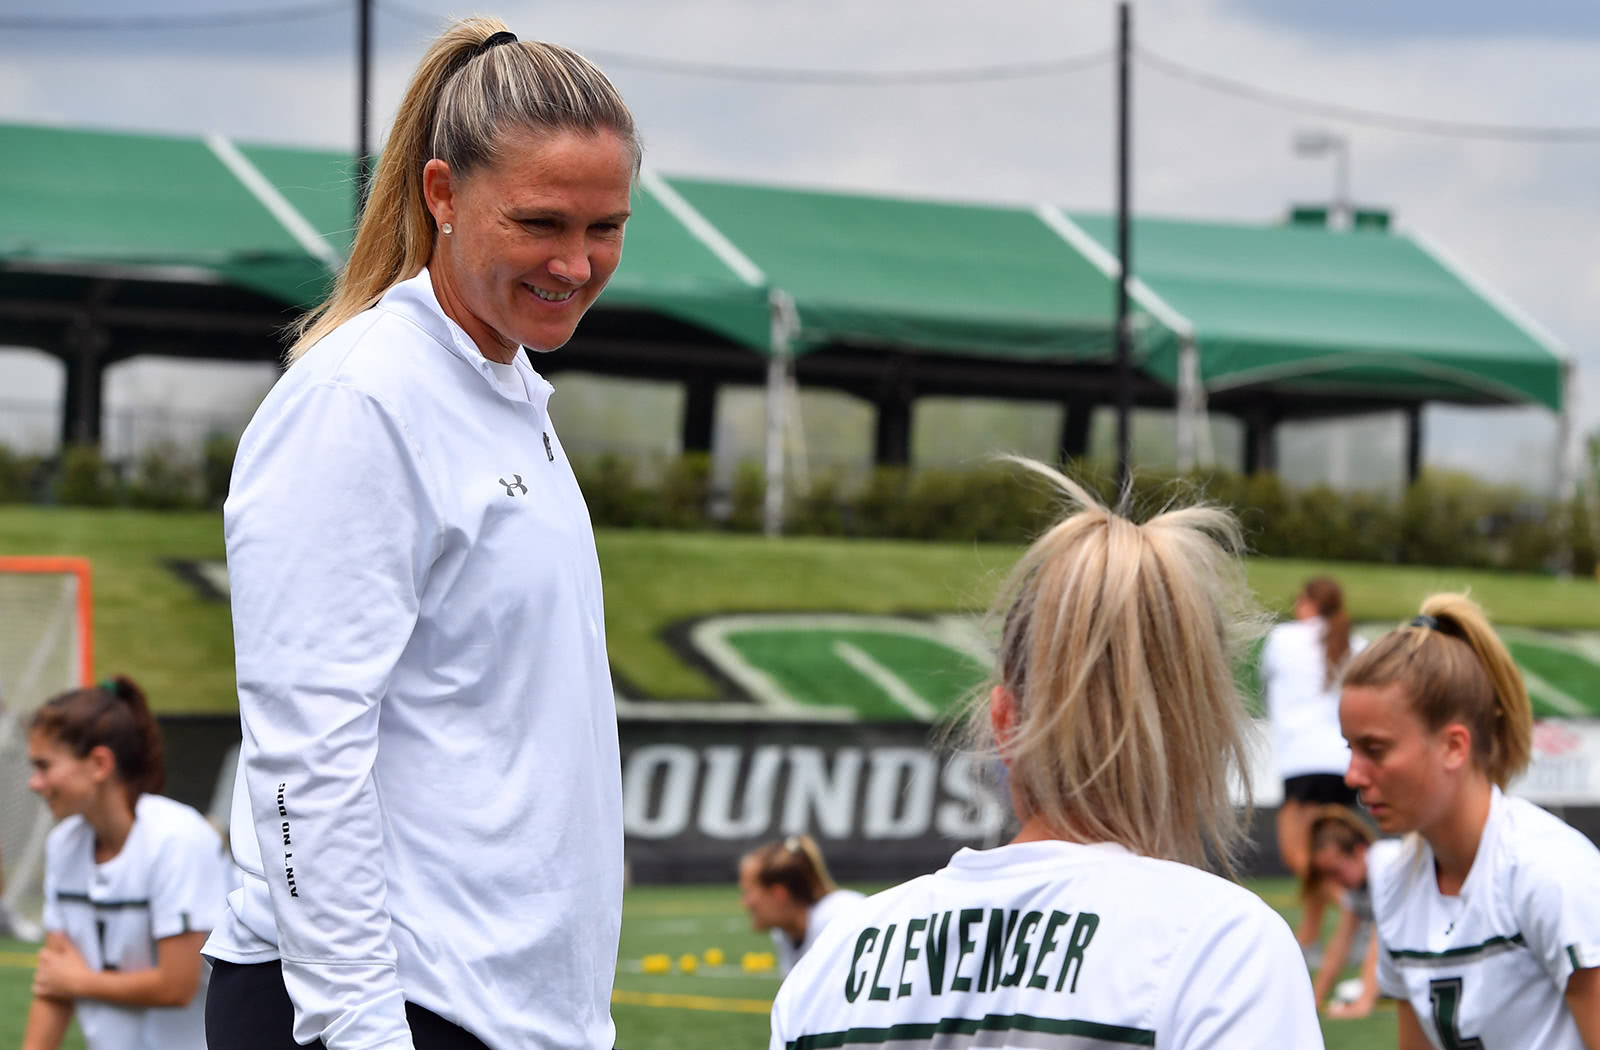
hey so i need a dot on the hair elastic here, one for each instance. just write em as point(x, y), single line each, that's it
point(502, 37)
point(1425, 621)
point(110, 686)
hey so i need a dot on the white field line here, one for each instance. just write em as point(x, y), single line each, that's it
point(887, 680)
point(1564, 702)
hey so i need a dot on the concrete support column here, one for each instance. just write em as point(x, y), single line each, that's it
point(1077, 415)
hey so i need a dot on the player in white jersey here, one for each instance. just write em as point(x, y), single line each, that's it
point(1300, 667)
point(1115, 710)
point(133, 881)
point(1488, 910)
point(786, 888)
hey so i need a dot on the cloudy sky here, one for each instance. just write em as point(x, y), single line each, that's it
point(1524, 215)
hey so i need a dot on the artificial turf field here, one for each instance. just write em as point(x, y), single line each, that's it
point(179, 646)
point(713, 1009)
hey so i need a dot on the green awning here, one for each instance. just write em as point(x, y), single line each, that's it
point(1283, 310)
point(1311, 310)
point(908, 274)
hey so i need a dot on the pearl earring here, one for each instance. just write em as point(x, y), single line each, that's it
point(446, 228)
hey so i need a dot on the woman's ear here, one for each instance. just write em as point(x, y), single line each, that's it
point(1003, 717)
point(102, 763)
point(1456, 741)
point(439, 191)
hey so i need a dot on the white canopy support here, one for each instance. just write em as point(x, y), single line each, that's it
point(785, 323)
point(1567, 452)
point(1191, 404)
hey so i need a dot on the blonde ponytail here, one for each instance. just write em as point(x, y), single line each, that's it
point(461, 101)
point(1118, 643)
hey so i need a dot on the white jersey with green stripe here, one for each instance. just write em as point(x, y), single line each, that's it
point(171, 877)
point(1053, 944)
point(1488, 967)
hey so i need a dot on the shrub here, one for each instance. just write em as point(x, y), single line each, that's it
point(165, 479)
point(84, 478)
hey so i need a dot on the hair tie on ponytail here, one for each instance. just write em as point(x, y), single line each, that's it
point(792, 844)
point(1429, 622)
point(502, 37)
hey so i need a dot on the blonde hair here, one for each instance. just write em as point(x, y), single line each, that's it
point(796, 864)
point(1118, 644)
point(461, 103)
point(1455, 669)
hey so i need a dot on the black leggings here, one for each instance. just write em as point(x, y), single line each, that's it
point(247, 1008)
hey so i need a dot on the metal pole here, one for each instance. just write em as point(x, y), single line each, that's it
point(782, 310)
point(363, 101)
point(1124, 334)
point(1342, 207)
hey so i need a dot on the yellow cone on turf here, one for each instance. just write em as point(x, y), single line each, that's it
point(657, 964)
point(688, 963)
point(758, 962)
point(714, 957)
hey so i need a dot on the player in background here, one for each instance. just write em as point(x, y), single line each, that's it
point(1300, 667)
point(1338, 843)
point(133, 880)
point(786, 888)
point(1115, 710)
point(1488, 910)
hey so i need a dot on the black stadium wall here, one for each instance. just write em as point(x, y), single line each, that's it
point(882, 801)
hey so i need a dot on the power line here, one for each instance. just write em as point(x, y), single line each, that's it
point(719, 71)
point(1369, 117)
point(219, 20)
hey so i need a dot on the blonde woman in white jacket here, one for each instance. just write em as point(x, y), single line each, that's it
point(429, 813)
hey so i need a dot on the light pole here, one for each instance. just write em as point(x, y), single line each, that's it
point(1340, 217)
point(1321, 143)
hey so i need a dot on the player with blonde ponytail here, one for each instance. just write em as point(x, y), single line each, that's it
point(1488, 910)
point(1115, 710)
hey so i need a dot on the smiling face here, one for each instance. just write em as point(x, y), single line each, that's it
point(68, 784)
point(534, 236)
point(1405, 773)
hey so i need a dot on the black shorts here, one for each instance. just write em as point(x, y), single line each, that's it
point(247, 1008)
point(1319, 789)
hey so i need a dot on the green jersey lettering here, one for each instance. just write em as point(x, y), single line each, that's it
point(1047, 944)
point(969, 916)
point(1082, 934)
point(1445, 993)
point(915, 926)
point(864, 943)
point(938, 948)
point(994, 949)
point(878, 991)
point(1019, 951)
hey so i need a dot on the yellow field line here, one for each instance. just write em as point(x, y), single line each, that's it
point(672, 1001)
point(20, 960)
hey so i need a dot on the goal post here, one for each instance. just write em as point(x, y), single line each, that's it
point(46, 647)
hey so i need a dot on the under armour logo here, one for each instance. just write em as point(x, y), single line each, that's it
point(512, 486)
point(548, 451)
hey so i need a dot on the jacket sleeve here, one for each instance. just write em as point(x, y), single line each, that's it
point(330, 533)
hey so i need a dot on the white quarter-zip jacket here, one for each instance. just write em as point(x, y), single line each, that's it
point(430, 763)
